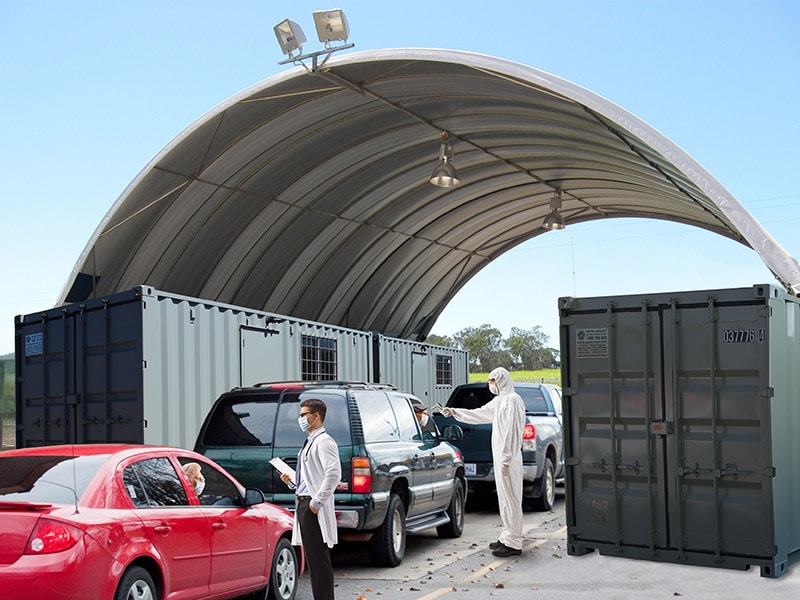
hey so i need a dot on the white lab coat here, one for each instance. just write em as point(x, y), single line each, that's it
point(506, 412)
point(322, 471)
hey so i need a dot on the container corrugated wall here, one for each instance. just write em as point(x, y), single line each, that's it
point(681, 419)
point(427, 371)
point(190, 356)
point(195, 350)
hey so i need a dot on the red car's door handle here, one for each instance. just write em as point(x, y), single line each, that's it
point(162, 529)
point(218, 525)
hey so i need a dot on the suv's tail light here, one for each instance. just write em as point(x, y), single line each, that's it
point(530, 432)
point(52, 536)
point(529, 437)
point(362, 475)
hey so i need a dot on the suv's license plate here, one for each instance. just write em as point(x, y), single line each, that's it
point(469, 469)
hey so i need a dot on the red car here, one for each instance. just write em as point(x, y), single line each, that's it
point(124, 522)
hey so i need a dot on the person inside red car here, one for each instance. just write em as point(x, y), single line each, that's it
point(195, 473)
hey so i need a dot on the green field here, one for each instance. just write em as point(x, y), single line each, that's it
point(543, 376)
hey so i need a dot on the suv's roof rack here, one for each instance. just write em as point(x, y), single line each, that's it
point(315, 384)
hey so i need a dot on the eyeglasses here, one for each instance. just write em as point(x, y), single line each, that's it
point(305, 414)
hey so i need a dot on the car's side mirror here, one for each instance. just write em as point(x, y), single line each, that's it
point(453, 433)
point(253, 496)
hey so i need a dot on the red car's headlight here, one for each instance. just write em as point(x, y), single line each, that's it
point(52, 536)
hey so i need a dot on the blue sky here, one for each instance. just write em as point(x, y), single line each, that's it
point(92, 90)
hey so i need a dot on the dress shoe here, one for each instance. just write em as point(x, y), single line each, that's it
point(502, 551)
point(495, 545)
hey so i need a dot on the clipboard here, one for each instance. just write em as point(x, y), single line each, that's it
point(282, 467)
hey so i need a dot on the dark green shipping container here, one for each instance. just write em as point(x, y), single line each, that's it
point(681, 415)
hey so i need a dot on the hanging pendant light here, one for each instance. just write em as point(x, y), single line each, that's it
point(554, 220)
point(445, 174)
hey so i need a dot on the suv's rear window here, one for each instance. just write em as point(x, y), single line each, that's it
point(257, 420)
point(243, 421)
point(471, 397)
point(534, 400)
point(475, 397)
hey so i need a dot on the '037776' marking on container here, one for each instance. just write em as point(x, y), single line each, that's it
point(743, 336)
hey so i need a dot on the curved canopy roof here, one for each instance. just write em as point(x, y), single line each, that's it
point(308, 194)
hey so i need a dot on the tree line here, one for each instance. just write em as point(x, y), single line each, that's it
point(523, 349)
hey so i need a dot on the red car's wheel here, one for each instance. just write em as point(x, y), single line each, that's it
point(283, 577)
point(137, 584)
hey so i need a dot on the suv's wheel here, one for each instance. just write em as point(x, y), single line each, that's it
point(388, 544)
point(136, 584)
point(284, 572)
point(455, 511)
point(548, 497)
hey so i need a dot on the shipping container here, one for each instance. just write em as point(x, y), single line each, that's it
point(681, 417)
point(145, 366)
point(429, 372)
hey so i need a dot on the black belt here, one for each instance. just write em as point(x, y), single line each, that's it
point(304, 497)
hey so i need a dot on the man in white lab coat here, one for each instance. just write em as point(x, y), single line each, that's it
point(318, 473)
point(506, 412)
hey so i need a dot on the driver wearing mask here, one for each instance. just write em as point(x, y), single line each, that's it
point(195, 474)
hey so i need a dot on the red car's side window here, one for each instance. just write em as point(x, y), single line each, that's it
point(217, 488)
point(154, 482)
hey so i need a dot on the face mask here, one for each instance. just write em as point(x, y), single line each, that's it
point(493, 389)
point(303, 422)
point(423, 420)
point(200, 487)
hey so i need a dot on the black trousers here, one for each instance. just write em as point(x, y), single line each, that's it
point(318, 555)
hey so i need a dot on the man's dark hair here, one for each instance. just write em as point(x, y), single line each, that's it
point(315, 405)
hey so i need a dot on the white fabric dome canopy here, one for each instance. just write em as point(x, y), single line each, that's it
point(308, 195)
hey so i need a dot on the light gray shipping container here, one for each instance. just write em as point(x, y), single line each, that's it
point(144, 366)
point(429, 372)
point(682, 413)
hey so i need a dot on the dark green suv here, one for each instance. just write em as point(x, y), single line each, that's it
point(395, 477)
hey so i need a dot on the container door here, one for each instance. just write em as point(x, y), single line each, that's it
point(420, 376)
point(614, 416)
point(46, 394)
point(261, 355)
point(668, 429)
point(81, 376)
point(719, 455)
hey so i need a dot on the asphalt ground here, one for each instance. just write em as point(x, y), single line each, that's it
point(465, 569)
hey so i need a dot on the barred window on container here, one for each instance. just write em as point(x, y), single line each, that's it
point(318, 361)
point(444, 370)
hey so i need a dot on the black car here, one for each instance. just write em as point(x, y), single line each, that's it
point(395, 477)
point(542, 441)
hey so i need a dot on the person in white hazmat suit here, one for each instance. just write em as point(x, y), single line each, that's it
point(506, 413)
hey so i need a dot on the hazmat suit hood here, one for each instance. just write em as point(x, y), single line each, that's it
point(503, 379)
